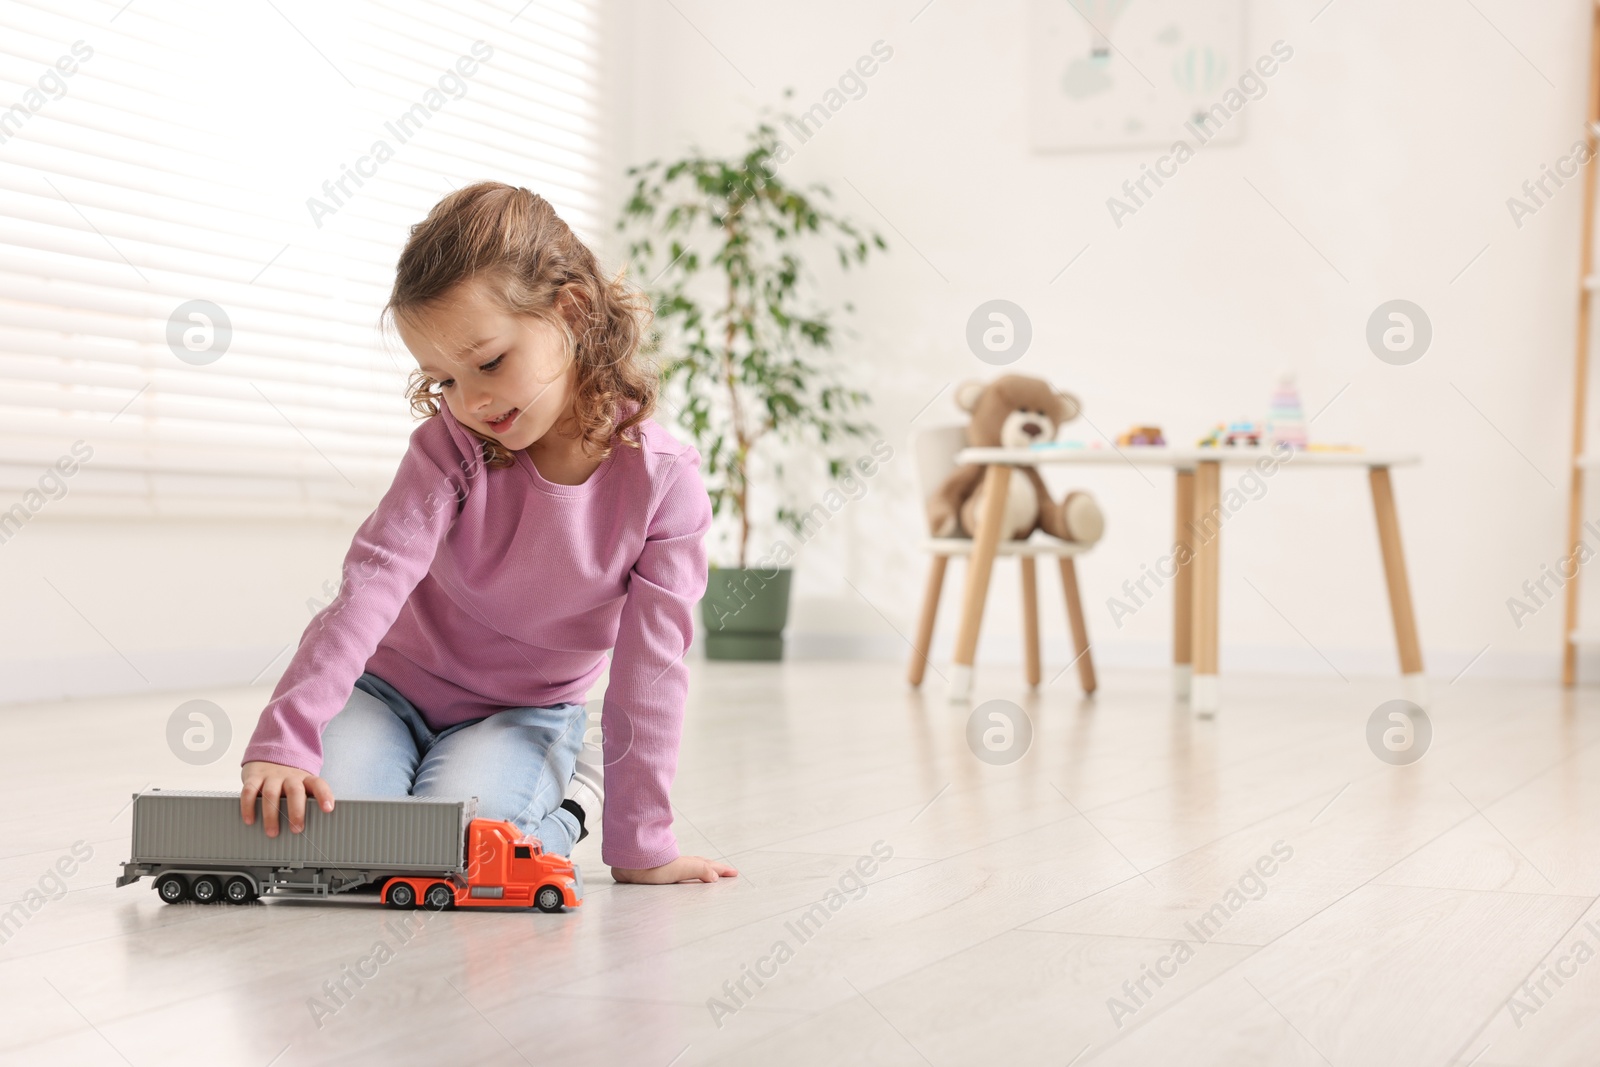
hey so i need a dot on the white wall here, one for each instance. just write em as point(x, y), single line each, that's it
point(1391, 140)
point(137, 605)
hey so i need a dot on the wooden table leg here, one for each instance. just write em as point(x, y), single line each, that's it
point(1569, 626)
point(1030, 620)
point(996, 482)
point(1206, 532)
point(930, 608)
point(1183, 585)
point(1080, 631)
point(1394, 570)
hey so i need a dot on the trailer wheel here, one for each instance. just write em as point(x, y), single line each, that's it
point(206, 889)
point(239, 890)
point(172, 889)
point(401, 895)
point(439, 897)
point(548, 898)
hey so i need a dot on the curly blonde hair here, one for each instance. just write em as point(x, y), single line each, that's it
point(514, 239)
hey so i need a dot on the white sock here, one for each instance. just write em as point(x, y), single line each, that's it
point(587, 788)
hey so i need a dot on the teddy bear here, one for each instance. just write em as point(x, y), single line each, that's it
point(1013, 411)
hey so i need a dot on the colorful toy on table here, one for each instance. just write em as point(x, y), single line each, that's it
point(1239, 432)
point(1286, 416)
point(1141, 435)
point(1243, 432)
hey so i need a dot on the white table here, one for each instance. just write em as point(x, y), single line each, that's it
point(1198, 479)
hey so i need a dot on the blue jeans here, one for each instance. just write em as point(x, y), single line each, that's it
point(517, 762)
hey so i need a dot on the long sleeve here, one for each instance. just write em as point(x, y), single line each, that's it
point(642, 718)
point(390, 554)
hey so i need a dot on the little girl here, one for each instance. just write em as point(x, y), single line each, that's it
point(539, 518)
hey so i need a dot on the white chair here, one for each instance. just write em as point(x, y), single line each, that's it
point(934, 451)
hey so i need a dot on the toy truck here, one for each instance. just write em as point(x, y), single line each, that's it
point(1141, 435)
point(1238, 432)
point(411, 850)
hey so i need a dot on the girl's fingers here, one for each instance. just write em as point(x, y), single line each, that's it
point(700, 871)
point(296, 792)
point(683, 870)
point(271, 793)
point(322, 791)
point(247, 802)
point(711, 870)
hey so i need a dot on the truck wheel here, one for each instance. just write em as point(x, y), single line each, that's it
point(172, 889)
point(439, 897)
point(206, 889)
point(548, 898)
point(401, 895)
point(239, 890)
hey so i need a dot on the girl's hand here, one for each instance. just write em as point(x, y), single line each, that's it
point(682, 869)
point(275, 780)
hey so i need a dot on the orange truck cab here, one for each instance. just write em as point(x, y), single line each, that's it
point(504, 869)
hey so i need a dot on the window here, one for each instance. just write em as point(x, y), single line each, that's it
point(523, 852)
point(200, 210)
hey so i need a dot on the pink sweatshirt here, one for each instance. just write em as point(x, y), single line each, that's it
point(471, 590)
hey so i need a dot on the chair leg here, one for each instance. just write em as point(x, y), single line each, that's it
point(1080, 631)
point(1030, 620)
point(985, 545)
point(930, 609)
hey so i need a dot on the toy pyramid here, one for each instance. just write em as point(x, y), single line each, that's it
point(1286, 416)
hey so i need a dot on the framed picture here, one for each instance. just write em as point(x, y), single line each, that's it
point(1106, 74)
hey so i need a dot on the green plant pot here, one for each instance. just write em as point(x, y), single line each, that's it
point(744, 611)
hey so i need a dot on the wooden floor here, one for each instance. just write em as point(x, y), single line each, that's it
point(1439, 913)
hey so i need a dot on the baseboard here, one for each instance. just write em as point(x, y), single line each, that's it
point(108, 674)
point(1446, 664)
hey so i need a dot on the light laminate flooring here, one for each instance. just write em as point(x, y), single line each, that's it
point(1049, 910)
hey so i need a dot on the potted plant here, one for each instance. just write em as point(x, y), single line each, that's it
point(745, 358)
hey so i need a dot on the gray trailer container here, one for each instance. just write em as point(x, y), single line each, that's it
point(193, 833)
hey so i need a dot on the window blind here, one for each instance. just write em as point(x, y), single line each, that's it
point(201, 207)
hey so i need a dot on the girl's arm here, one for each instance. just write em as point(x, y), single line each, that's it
point(642, 720)
point(388, 556)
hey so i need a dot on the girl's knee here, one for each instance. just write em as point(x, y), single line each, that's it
point(557, 832)
point(514, 809)
point(367, 775)
point(367, 750)
point(555, 827)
